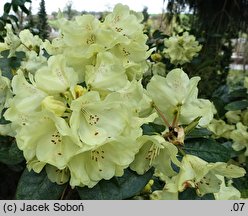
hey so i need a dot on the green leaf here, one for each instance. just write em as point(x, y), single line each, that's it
point(13, 17)
point(15, 7)
point(3, 121)
point(233, 153)
point(18, 2)
point(237, 94)
point(9, 64)
point(242, 183)
point(192, 125)
point(152, 128)
point(7, 7)
point(117, 188)
point(198, 133)
point(2, 25)
point(24, 9)
point(190, 194)
point(9, 152)
point(207, 149)
point(220, 99)
point(158, 34)
point(237, 105)
point(37, 186)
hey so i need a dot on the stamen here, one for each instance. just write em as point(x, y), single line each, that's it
point(153, 153)
point(97, 156)
point(90, 118)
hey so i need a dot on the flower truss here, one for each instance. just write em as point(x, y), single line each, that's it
point(79, 112)
point(181, 49)
point(235, 129)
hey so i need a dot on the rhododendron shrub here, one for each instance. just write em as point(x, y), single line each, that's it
point(78, 112)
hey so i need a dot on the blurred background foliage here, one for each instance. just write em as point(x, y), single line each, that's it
point(217, 25)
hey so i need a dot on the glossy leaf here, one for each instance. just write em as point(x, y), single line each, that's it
point(190, 194)
point(9, 152)
point(199, 132)
point(152, 128)
point(242, 183)
point(24, 9)
point(37, 186)
point(7, 8)
point(117, 188)
point(8, 65)
point(237, 105)
point(207, 149)
point(238, 94)
point(13, 17)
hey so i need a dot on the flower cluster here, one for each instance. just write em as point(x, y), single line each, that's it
point(175, 100)
point(79, 112)
point(197, 173)
point(235, 129)
point(181, 49)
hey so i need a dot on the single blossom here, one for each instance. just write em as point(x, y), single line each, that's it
point(176, 94)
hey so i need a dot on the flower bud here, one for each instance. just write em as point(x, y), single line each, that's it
point(53, 105)
point(156, 57)
point(79, 91)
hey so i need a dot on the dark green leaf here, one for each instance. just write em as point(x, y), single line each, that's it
point(15, 7)
point(242, 183)
point(24, 9)
point(190, 194)
point(2, 25)
point(37, 186)
point(233, 153)
point(8, 182)
point(117, 188)
point(17, 167)
point(157, 183)
point(7, 7)
point(18, 2)
point(152, 128)
point(158, 34)
point(217, 35)
point(238, 94)
point(3, 121)
point(220, 99)
point(9, 152)
point(221, 92)
point(13, 17)
point(207, 149)
point(199, 132)
point(237, 105)
point(9, 64)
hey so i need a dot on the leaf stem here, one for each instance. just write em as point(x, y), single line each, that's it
point(181, 151)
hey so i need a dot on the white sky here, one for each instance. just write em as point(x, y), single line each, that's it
point(154, 6)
